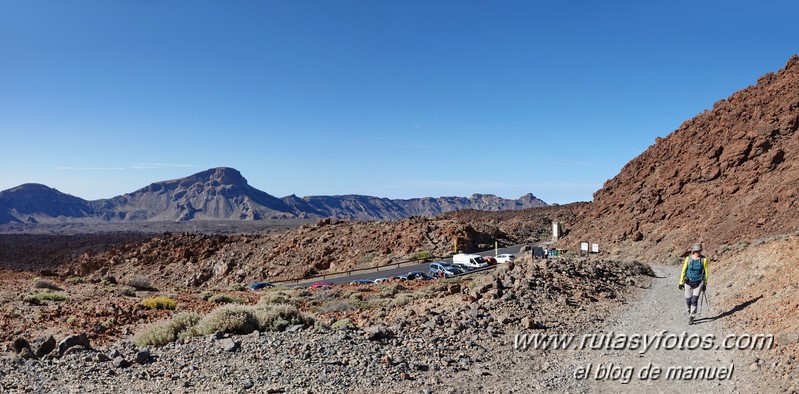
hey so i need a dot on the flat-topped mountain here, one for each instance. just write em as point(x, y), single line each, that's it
point(224, 194)
point(215, 194)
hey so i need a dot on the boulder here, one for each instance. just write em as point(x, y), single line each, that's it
point(19, 344)
point(73, 340)
point(143, 356)
point(229, 345)
point(43, 346)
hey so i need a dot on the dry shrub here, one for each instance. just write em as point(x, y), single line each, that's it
point(164, 333)
point(140, 282)
point(226, 299)
point(45, 284)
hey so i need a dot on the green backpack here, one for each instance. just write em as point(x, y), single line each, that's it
point(696, 270)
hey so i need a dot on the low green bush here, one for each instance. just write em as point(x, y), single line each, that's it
point(46, 296)
point(343, 324)
point(422, 255)
point(226, 299)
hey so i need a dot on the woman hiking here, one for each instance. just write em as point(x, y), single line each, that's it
point(693, 279)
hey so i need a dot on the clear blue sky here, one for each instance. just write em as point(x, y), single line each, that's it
point(395, 99)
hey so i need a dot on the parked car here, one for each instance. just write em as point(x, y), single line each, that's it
point(469, 260)
point(504, 258)
point(319, 285)
point(259, 285)
point(362, 282)
point(382, 280)
point(464, 268)
point(414, 275)
point(443, 268)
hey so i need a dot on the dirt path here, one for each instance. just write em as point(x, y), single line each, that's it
point(661, 308)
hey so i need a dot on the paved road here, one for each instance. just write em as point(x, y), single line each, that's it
point(393, 271)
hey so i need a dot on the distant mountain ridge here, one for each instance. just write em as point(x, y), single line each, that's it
point(224, 194)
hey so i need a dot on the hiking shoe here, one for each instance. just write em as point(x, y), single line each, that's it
point(690, 320)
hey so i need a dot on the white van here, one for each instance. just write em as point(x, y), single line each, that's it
point(469, 260)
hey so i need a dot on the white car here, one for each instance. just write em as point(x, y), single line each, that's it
point(504, 258)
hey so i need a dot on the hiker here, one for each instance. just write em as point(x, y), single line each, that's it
point(693, 279)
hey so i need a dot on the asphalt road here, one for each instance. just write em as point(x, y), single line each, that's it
point(392, 272)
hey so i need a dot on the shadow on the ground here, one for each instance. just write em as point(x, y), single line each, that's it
point(736, 308)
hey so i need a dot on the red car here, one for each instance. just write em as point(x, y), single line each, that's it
point(319, 285)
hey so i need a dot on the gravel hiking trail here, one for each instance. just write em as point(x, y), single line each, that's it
point(659, 308)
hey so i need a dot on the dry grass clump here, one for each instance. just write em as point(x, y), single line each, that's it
point(226, 299)
point(159, 303)
point(140, 282)
point(164, 333)
point(237, 319)
point(45, 284)
point(127, 291)
point(275, 298)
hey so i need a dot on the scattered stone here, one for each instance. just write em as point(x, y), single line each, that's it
point(454, 288)
point(229, 345)
point(19, 344)
point(120, 362)
point(26, 353)
point(73, 340)
point(295, 327)
point(143, 356)
point(44, 346)
point(75, 349)
point(375, 333)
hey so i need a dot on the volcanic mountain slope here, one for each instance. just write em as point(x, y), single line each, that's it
point(215, 194)
point(728, 175)
point(26, 202)
point(223, 194)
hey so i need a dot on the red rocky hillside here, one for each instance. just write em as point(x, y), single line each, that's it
point(729, 175)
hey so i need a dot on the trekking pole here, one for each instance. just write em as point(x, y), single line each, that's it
point(699, 309)
point(707, 301)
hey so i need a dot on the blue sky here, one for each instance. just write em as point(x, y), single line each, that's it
point(395, 99)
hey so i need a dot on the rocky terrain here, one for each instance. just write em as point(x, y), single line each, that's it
point(422, 337)
point(207, 260)
point(223, 194)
